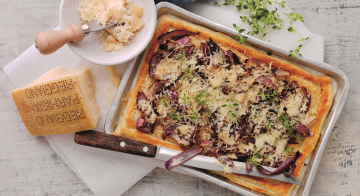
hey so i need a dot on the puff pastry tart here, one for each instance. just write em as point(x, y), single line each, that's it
point(201, 89)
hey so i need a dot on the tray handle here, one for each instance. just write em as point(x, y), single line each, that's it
point(114, 143)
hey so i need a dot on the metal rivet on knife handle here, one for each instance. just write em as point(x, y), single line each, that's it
point(122, 144)
point(145, 149)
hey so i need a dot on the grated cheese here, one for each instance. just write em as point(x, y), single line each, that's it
point(123, 12)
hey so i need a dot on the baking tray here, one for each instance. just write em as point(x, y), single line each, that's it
point(340, 81)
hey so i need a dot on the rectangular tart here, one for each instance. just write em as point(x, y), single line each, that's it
point(200, 87)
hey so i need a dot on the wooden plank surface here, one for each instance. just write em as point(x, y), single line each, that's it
point(28, 165)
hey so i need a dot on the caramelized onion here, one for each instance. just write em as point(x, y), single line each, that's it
point(266, 82)
point(248, 165)
point(168, 46)
point(213, 47)
point(154, 61)
point(244, 156)
point(169, 130)
point(293, 84)
point(140, 96)
point(184, 41)
point(207, 143)
point(182, 158)
point(229, 57)
point(189, 51)
point(152, 65)
point(172, 94)
point(290, 171)
point(157, 87)
point(281, 72)
point(223, 158)
point(310, 121)
point(302, 128)
point(286, 164)
point(143, 126)
point(167, 35)
point(308, 96)
point(248, 140)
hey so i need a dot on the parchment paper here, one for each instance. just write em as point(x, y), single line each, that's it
point(106, 172)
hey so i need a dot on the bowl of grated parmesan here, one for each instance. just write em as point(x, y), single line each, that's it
point(136, 22)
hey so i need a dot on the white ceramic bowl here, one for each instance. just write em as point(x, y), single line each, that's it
point(89, 50)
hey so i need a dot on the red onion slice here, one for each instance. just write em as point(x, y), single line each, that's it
point(140, 96)
point(266, 82)
point(248, 140)
point(173, 95)
point(182, 158)
point(232, 58)
point(207, 143)
point(184, 41)
point(248, 165)
point(213, 47)
point(169, 130)
point(156, 87)
point(168, 46)
point(189, 51)
point(152, 65)
point(281, 72)
point(291, 170)
point(143, 126)
point(293, 84)
point(168, 35)
point(244, 156)
point(224, 159)
point(302, 128)
point(286, 164)
point(308, 96)
point(229, 57)
point(310, 121)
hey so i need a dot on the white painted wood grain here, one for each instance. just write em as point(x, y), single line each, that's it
point(28, 165)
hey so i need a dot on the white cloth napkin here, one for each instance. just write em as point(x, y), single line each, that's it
point(106, 172)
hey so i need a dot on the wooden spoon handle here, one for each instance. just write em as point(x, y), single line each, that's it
point(48, 42)
point(115, 143)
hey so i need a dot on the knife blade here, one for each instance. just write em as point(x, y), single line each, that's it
point(115, 143)
point(210, 163)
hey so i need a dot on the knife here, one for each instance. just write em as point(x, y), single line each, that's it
point(48, 42)
point(120, 144)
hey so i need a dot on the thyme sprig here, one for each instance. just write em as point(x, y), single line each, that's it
point(255, 156)
point(186, 74)
point(289, 126)
point(232, 114)
point(195, 114)
point(271, 95)
point(181, 57)
point(261, 17)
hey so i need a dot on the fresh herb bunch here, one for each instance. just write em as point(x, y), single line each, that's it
point(261, 17)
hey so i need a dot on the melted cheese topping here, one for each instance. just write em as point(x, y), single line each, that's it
point(230, 101)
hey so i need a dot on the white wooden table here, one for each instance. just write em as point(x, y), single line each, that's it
point(28, 165)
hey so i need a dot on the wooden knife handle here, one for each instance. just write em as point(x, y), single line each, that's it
point(48, 42)
point(115, 143)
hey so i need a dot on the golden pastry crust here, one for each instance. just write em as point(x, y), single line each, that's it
point(320, 88)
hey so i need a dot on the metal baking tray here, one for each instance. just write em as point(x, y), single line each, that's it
point(340, 81)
